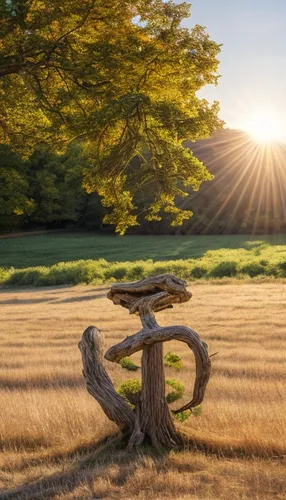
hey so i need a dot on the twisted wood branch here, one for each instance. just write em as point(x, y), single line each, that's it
point(151, 417)
point(98, 383)
point(137, 341)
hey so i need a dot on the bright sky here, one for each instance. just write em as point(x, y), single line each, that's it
point(253, 57)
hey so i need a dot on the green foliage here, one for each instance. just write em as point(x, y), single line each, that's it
point(247, 206)
point(172, 360)
point(178, 392)
point(197, 411)
point(184, 415)
point(55, 185)
point(130, 388)
point(39, 249)
point(14, 196)
point(128, 364)
point(254, 269)
point(133, 386)
point(282, 268)
point(228, 268)
point(199, 272)
point(126, 90)
point(46, 190)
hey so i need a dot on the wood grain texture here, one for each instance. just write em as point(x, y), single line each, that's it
point(151, 418)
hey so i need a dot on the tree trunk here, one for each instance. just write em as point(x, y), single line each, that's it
point(156, 421)
point(151, 419)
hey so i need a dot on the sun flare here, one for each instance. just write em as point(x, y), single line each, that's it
point(264, 127)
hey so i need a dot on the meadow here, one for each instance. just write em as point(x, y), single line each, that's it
point(91, 258)
point(54, 436)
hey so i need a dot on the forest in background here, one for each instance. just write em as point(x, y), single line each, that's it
point(245, 196)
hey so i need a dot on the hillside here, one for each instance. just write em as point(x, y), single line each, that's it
point(247, 194)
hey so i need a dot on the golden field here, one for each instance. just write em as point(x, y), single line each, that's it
point(52, 431)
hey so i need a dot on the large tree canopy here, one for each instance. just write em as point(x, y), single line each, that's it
point(121, 77)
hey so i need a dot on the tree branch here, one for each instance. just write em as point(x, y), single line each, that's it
point(98, 383)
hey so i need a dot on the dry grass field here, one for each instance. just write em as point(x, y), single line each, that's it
point(52, 432)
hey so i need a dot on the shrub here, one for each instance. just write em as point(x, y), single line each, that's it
point(30, 276)
point(137, 272)
point(128, 364)
point(199, 272)
point(130, 388)
point(5, 274)
point(228, 268)
point(173, 361)
point(197, 411)
point(282, 268)
point(177, 393)
point(183, 415)
point(179, 268)
point(117, 272)
point(253, 269)
point(161, 267)
point(220, 263)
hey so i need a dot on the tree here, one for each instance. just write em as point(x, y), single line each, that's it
point(46, 190)
point(14, 199)
point(55, 185)
point(151, 419)
point(121, 76)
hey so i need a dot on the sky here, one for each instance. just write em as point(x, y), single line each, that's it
point(253, 57)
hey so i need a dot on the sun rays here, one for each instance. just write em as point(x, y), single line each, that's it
point(264, 126)
point(249, 184)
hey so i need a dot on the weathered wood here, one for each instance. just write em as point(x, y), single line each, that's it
point(98, 383)
point(132, 295)
point(137, 342)
point(156, 421)
point(151, 418)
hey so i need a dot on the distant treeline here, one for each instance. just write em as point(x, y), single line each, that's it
point(45, 191)
point(247, 194)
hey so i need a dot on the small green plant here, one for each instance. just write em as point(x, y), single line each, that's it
point(129, 389)
point(183, 415)
point(173, 361)
point(197, 411)
point(178, 392)
point(132, 387)
point(128, 364)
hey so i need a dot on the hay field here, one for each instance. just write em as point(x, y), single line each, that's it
point(52, 432)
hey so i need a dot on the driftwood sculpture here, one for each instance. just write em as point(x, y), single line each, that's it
point(151, 418)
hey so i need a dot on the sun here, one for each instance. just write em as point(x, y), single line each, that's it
point(264, 127)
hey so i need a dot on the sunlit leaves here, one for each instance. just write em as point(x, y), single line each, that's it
point(125, 89)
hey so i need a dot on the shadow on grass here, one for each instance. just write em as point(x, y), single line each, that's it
point(89, 467)
point(17, 301)
point(61, 382)
point(93, 459)
point(82, 298)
